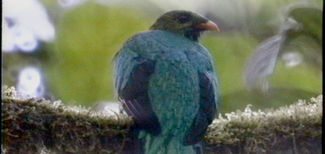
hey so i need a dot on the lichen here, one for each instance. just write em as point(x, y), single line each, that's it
point(41, 126)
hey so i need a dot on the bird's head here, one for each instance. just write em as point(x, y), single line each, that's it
point(185, 23)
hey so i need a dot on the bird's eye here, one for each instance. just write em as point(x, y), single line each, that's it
point(183, 19)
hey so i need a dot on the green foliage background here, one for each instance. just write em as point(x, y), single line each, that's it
point(88, 38)
point(80, 70)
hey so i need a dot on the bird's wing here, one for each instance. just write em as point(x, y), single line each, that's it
point(131, 81)
point(208, 107)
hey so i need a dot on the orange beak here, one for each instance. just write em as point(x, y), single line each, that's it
point(208, 26)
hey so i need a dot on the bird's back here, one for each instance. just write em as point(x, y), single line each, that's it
point(171, 87)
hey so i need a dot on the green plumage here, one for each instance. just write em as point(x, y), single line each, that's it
point(167, 84)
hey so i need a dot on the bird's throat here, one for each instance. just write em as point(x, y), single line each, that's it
point(192, 35)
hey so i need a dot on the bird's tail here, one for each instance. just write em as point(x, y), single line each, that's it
point(167, 144)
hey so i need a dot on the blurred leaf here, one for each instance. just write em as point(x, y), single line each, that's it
point(300, 21)
point(311, 19)
point(263, 62)
point(230, 53)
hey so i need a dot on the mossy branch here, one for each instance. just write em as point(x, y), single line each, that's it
point(41, 126)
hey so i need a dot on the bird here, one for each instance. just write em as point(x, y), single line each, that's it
point(166, 81)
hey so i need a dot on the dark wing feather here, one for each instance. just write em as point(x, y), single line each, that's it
point(135, 95)
point(207, 111)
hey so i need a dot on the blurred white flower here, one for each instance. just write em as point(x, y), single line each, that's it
point(24, 38)
point(70, 3)
point(25, 22)
point(292, 59)
point(30, 83)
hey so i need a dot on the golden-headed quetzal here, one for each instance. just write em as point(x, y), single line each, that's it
point(167, 83)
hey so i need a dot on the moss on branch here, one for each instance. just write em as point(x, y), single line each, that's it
point(41, 126)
